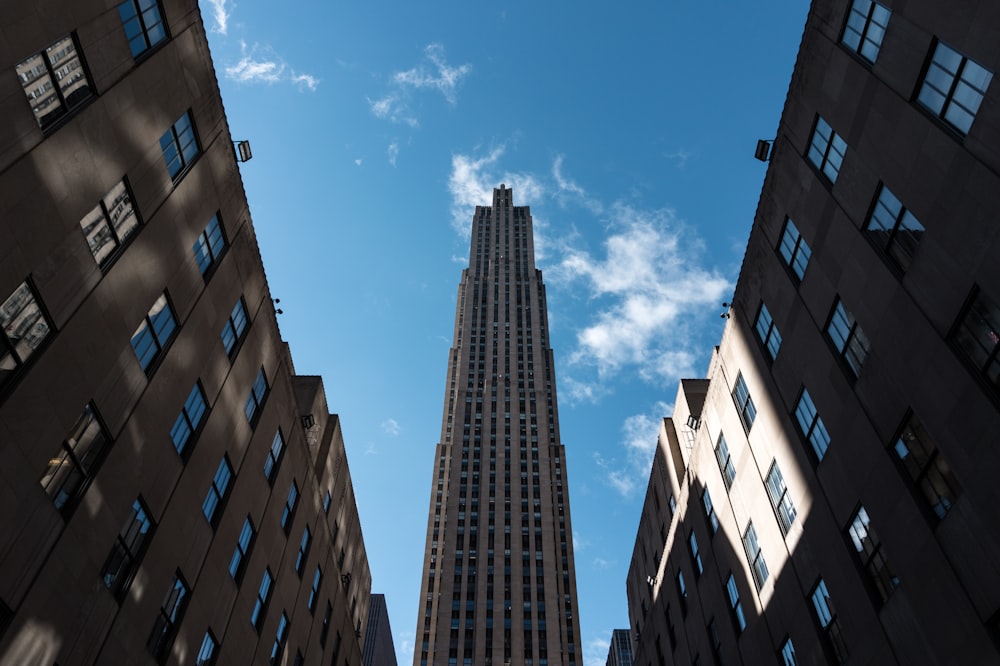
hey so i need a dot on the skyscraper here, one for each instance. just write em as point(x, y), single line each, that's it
point(499, 585)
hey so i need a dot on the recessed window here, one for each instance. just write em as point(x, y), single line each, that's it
point(324, 630)
point(218, 492)
point(127, 551)
point(291, 503)
point(300, 559)
point(23, 329)
point(274, 455)
point(744, 403)
point(713, 520)
point(179, 145)
point(110, 224)
point(872, 555)
point(209, 246)
point(811, 425)
point(794, 249)
point(326, 502)
point(725, 461)
point(258, 393)
point(787, 653)
point(735, 606)
point(894, 229)
point(238, 562)
point(977, 336)
point(314, 589)
point(925, 467)
point(280, 636)
point(190, 419)
point(235, 328)
point(826, 149)
point(682, 593)
point(55, 81)
point(953, 87)
point(829, 625)
point(865, 29)
point(848, 338)
point(699, 568)
point(263, 597)
point(143, 23)
point(781, 501)
point(154, 333)
point(171, 612)
point(73, 467)
point(755, 556)
point(767, 332)
point(208, 651)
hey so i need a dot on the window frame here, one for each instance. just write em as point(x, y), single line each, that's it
point(144, 30)
point(926, 490)
point(257, 398)
point(305, 543)
point(173, 141)
point(101, 215)
point(167, 622)
point(948, 97)
point(796, 247)
point(755, 556)
point(241, 554)
point(829, 624)
point(870, 556)
point(746, 408)
point(127, 553)
point(71, 104)
point(710, 515)
point(204, 246)
point(885, 227)
point(869, 19)
point(8, 348)
point(314, 590)
point(82, 467)
point(767, 332)
point(211, 643)
point(236, 336)
point(816, 425)
point(147, 326)
point(280, 638)
point(291, 506)
point(963, 338)
point(786, 652)
point(855, 346)
point(725, 461)
point(220, 496)
point(736, 613)
point(825, 150)
point(264, 593)
point(186, 420)
point(781, 501)
point(699, 568)
point(275, 455)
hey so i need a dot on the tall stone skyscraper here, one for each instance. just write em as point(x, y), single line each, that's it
point(499, 585)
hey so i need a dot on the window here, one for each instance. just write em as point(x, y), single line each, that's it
point(154, 333)
point(171, 612)
point(274, 455)
point(235, 327)
point(179, 145)
point(894, 229)
point(754, 556)
point(794, 249)
point(953, 87)
point(325, 628)
point(828, 623)
point(143, 26)
point(767, 332)
point(871, 554)
point(713, 520)
point(218, 492)
point(866, 24)
point(127, 551)
point(672, 503)
point(72, 468)
point(977, 336)
point(288, 513)
point(826, 149)
point(925, 468)
point(735, 606)
point(238, 562)
point(258, 393)
point(110, 223)
point(699, 569)
point(725, 461)
point(280, 637)
point(314, 590)
point(25, 328)
point(811, 425)
point(55, 81)
point(207, 652)
point(209, 246)
point(781, 502)
point(682, 593)
point(300, 559)
point(848, 338)
point(744, 403)
point(787, 653)
point(326, 502)
point(191, 417)
point(263, 597)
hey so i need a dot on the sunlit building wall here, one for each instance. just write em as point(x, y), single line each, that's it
point(827, 493)
point(171, 492)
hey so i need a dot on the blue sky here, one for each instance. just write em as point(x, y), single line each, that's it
point(629, 129)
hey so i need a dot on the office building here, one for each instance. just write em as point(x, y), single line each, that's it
point(620, 650)
point(172, 492)
point(826, 494)
point(498, 583)
point(378, 648)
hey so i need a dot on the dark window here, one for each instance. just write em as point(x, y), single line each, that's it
point(171, 612)
point(977, 335)
point(865, 28)
point(735, 606)
point(326, 502)
point(110, 223)
point(263, 597)
point(682, 593)
point(24, 329)
point(280, 636)
point(713, 520)
point(744, 403)
point(274, 455)
point(258, 393)
point(6, 615)
point(143, 24)
point(235, 328)
point(209, 246)
point(699, 569)
point(925, 468)
point(716, 642)
point(767, 332)
point(300, 559)
point(826, 149)
point(848, 338)
point(811, 425)
point(291, 503)
point(872, 555)
point(126, 553)
point(787, 653)
point(314, 590)
point(325, 628)
point(894, 229)
point(781, 501)
point(755, 556)
point(179, 145)
point(208, 652)
point(238, 562)
point(829, 625)
point(73, 467)
point(953, 87)
point(218, 492)
point(725, 461)
point(191, 417)
point(794, 249)
point(154, 333)
point(55, 80)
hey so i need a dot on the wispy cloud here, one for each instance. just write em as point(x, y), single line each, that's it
point(358, 161)
point(434, 73)
point(459, 260)
point(679, 157)
point(595, 649)
point(221, 14)
point(260, 64)
point(568, 188)
point(391, 107)
point(392, 152)
point(639, 434)
point(391, 427)
point(472, 181)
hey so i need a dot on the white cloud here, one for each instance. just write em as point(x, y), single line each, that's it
point(393, 152)
point(221, 15)
point(472, 181)
point(445, 80)
point(595, 650)
point(392, 108)
point(358, 161)
point(639, 434)
point(679, 157)
point(568, 189)
point(459, 260)
point(260, 64)
point(391, 427)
